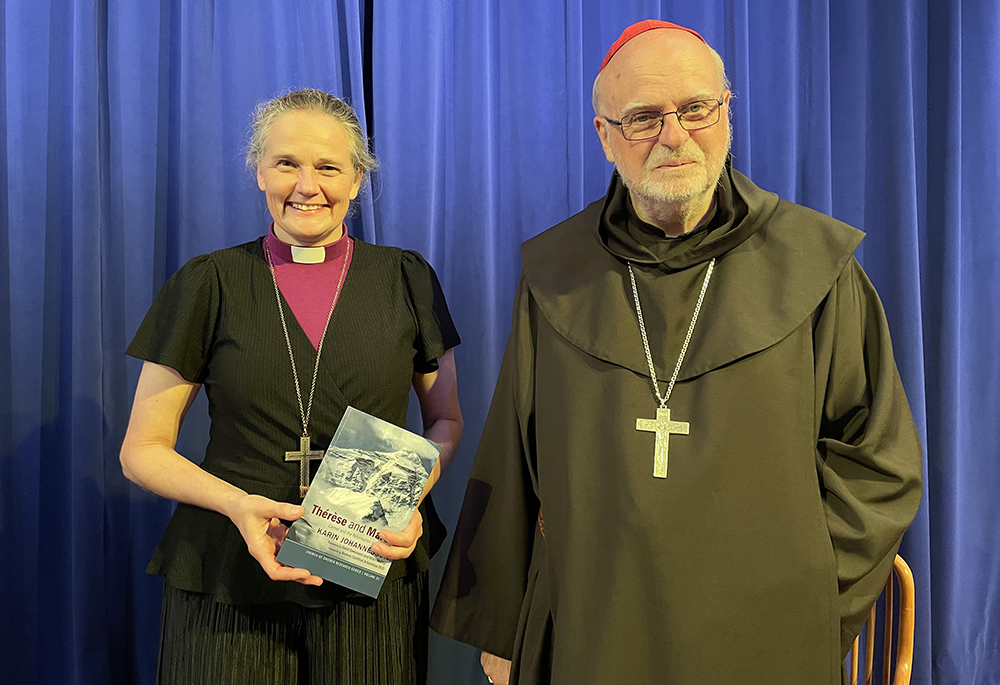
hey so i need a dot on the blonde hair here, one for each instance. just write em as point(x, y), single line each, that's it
point(312, 100)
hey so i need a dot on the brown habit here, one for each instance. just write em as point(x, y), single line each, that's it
point(757, 557)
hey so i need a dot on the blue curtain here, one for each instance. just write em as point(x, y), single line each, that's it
point(123, 125)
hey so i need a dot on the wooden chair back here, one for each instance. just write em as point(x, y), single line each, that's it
point(900, 666)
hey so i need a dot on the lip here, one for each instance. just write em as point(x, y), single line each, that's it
point(313, 208)
point(673, 165)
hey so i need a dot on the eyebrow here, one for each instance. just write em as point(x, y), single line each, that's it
point(633, 107)
point(697, 96)
point(323, 161)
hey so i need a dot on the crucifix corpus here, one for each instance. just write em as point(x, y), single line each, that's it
point(663, 427)
point(304, 455)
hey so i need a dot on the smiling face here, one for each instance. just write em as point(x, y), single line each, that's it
point(659, 71)
point(307, 175)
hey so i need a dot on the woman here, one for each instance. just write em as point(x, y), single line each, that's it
point(284, 333)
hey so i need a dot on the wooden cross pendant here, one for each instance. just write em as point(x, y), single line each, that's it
point(663, 427)
point(304, 456)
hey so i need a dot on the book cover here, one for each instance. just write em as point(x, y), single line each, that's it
point(370, 479)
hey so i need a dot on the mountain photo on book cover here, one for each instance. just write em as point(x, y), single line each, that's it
point(380, 488)
point(375, 474)
point(370, 480)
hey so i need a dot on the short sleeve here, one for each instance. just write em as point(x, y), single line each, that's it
point(436, 332)
point(179, 328)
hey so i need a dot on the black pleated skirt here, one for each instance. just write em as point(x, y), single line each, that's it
point(358, 642)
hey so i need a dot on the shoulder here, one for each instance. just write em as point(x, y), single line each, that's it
point(419, 276)
point(238, 256)
point(796, 229)
point(226, 259)
point(409, 263)
point(196, 274)
point(389, 262)
point(801, 221)
point(567, 257)
point(217, 270)
point(809, 250)
point(413, 261)
point(577, 232)
point(377, 253)
point(572, 280)
point(426, 301)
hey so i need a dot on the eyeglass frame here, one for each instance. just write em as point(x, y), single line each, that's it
point(663, 116)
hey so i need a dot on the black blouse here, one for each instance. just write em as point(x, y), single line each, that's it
point(216, 322)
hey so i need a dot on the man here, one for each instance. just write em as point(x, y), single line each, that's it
point(731, 518)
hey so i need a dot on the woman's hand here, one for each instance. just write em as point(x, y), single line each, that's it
point(400, 545)
point(149, 459)
point(259, 522)
point(495, 668)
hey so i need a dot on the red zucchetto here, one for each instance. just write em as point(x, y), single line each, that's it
point(641, 27)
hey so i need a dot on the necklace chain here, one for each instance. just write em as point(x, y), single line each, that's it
point(687, 339)
point(307, 410)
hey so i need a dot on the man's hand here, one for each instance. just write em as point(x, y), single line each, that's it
point(259, 522)
point(497, 670)
point(400, 545)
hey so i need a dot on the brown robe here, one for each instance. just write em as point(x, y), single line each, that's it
point(757, 557)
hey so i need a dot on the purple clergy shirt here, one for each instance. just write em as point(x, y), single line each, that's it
point(309, 289)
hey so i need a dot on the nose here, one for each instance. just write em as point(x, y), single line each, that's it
point(672, 135)
point(306, 183)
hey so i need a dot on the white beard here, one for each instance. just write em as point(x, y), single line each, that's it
point(684, 185)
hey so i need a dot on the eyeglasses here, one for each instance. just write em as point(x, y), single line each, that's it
point(693, 116)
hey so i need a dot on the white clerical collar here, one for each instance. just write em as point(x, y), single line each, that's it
point(299, 254)
point(308, 255)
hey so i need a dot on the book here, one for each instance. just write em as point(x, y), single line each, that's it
point(369, 480)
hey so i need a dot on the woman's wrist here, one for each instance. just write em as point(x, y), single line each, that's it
point(230, 501)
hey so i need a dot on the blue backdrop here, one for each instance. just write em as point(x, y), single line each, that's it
point(121, 158)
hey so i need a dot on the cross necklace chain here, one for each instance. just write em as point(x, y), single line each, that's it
point(305, 455)
point(662, 425)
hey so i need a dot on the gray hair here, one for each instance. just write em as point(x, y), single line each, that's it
point(719, 65)
point(311, 100)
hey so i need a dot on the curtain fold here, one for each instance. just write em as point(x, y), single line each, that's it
point(869, 112)
point(122, 157)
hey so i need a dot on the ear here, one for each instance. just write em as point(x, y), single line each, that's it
point(260, 177)
point(604, 133)
point(356, 186)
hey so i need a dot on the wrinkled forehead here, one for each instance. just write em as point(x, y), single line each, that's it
point(660, 67)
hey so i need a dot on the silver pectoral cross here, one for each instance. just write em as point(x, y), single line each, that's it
point(304, 456)
point(663, 427)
